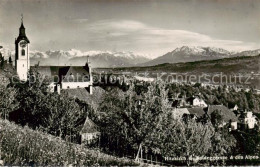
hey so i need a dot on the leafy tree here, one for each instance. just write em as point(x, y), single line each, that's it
point(56, 114)
point(8, 101)
point(248, 141)
point(63, 117)
point(131, 121)
point(223, 144)
point(189, 140)
point(216, 118)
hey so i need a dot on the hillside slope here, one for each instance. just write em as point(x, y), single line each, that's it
point(24, 146)
point(245, 67)
point(243, 64)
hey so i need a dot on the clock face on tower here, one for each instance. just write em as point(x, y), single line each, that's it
point(23, 44)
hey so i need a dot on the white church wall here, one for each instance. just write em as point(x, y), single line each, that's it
point(23, 62)
point(74, 85)
point(22, 69)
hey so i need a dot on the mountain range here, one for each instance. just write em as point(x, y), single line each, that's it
point(189, 54)
point(97, 58)
point(127, 59)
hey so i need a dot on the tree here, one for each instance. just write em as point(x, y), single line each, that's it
point(63, 116)
point(223, 144)
point(130, 121)
point(189, 139)
point(216, 118)
point(56, 114)
point(2, 60)
point(8, 101)
point(10, 60)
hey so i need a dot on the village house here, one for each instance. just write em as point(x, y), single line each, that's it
point(179, 113)
point(89, 132)
point(247, 120)
point(235, 108)
point(180, 102)
point(228, 117)
point(196, 101)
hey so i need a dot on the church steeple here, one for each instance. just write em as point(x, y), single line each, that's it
point(22, 35)
point(22, 58)
point(22, 29)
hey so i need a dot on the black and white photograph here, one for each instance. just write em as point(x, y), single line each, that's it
point(129, 83)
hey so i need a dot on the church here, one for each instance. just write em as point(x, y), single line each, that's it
point(63, 77)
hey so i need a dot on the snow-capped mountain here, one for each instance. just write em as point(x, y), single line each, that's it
point(111, 59)
point(189, 54)
point(6, 53)
point(125, 59)
point(77, 57)
point(248, 53)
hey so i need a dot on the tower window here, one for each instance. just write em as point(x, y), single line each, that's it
point(23, 65)
point(23, 52)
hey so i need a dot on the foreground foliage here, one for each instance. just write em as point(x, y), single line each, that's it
point(145, 123)
point(23, 146)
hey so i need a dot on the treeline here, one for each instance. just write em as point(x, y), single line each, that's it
point(133, 124)
point(30, 103)
point(245, 100)
point(141, 120)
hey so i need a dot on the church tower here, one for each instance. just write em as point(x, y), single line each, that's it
point(22, 59)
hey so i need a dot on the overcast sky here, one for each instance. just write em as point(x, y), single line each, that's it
point(151, 27)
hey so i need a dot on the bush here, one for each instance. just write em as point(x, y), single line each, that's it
point(24, 146)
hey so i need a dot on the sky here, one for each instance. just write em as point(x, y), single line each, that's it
point(149, 27)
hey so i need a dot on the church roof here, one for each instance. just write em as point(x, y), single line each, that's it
point(76, 74)
point(22, 35)
point(65, 73)
point(22, 38)
point(22, 27)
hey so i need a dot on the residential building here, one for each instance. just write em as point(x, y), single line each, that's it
point(89, 132)
point(227, 116)
point(196, 101)
point(248, 120)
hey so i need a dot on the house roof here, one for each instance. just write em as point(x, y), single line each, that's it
point(179, 112)
point(89, 127)
point(76, 74)
point(82, 94)
point(198, 111)
point(65, 73)
point(223, 111)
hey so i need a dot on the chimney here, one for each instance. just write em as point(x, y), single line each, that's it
point(58, 88)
